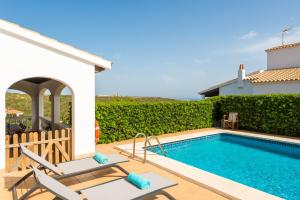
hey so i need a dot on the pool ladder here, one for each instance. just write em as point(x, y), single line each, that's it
point(147, 142)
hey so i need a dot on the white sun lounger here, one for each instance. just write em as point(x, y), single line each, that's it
point(70, 168)
point(113, 190)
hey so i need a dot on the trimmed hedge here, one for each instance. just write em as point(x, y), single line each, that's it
point(276, 113)
point(122, 120)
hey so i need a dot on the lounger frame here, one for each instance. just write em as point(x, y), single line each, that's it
point(47, 187)
point(56, 176)
point(159, 191)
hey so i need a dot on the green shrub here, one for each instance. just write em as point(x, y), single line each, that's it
point(276, 113)
point(122, 120)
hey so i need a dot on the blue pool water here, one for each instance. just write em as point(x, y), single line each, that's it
point(270, 166)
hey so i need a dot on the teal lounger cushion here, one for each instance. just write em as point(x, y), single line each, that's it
point(100, 158)
point(138, 181)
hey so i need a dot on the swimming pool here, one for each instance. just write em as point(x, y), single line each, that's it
point(270, 166)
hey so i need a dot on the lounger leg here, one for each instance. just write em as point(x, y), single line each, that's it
point(21, 180)
point(14, 193)
point(167, 195)
point(29, 192)
point(24, 196)
point(160, 192)
point(122, 169)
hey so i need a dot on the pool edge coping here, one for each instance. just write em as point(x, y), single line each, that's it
point(213, 182)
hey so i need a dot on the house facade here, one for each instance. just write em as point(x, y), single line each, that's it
point(282, 75)
point(32, 63)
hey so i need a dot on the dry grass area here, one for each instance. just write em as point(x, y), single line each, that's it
point(184, 190)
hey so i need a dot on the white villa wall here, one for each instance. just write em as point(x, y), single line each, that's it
point(292, 87)
point(277, 88)
point(20, 60)
point(283, 58)
point(234, 89)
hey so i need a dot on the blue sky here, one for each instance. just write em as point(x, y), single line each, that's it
point(164, 48)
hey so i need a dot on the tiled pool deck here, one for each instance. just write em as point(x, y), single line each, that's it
point(218, 184)
point(184, 190)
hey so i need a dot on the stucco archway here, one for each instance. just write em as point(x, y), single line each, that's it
point(40, 124)
point(35, 87)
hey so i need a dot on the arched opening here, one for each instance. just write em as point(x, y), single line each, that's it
point(46, 104)
point(18, 112)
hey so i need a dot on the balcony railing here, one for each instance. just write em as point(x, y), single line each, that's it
point(23, 124)
point(16, 124)
point(46, 124)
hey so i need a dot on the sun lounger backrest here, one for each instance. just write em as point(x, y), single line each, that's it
point(39, 160)
point(54, 186)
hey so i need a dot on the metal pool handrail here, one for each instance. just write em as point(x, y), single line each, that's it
point(147, 141)
point(158, 142)
point(134, 141)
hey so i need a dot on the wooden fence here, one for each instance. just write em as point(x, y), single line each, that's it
point(52, 146)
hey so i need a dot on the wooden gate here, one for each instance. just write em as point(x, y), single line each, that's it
point(52, 146)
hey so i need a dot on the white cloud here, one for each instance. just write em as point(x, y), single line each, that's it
point(271, 41)
point(250, 35)
point(260, 46)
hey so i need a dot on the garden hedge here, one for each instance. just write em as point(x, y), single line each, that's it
point(122, 120)
point(276, 113)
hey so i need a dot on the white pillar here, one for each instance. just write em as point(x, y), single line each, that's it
point(31, 89)
point(41, 106)
point(56, 106)
point(83, 121)
point(52, 112)
point(55, 109)
point(35, 111)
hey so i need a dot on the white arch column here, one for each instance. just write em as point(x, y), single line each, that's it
point(41, 105)
point(35, 119)
point(56, 103)
point(32, 90)
point(55, 109)
point(55, 88)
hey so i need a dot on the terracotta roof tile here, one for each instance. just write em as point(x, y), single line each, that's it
point(275, 75)
point(283, 47)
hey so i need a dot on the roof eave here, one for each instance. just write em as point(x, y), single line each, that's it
point(207, 90)
point(100, 68)
point(217, 86)
point(36, 38)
